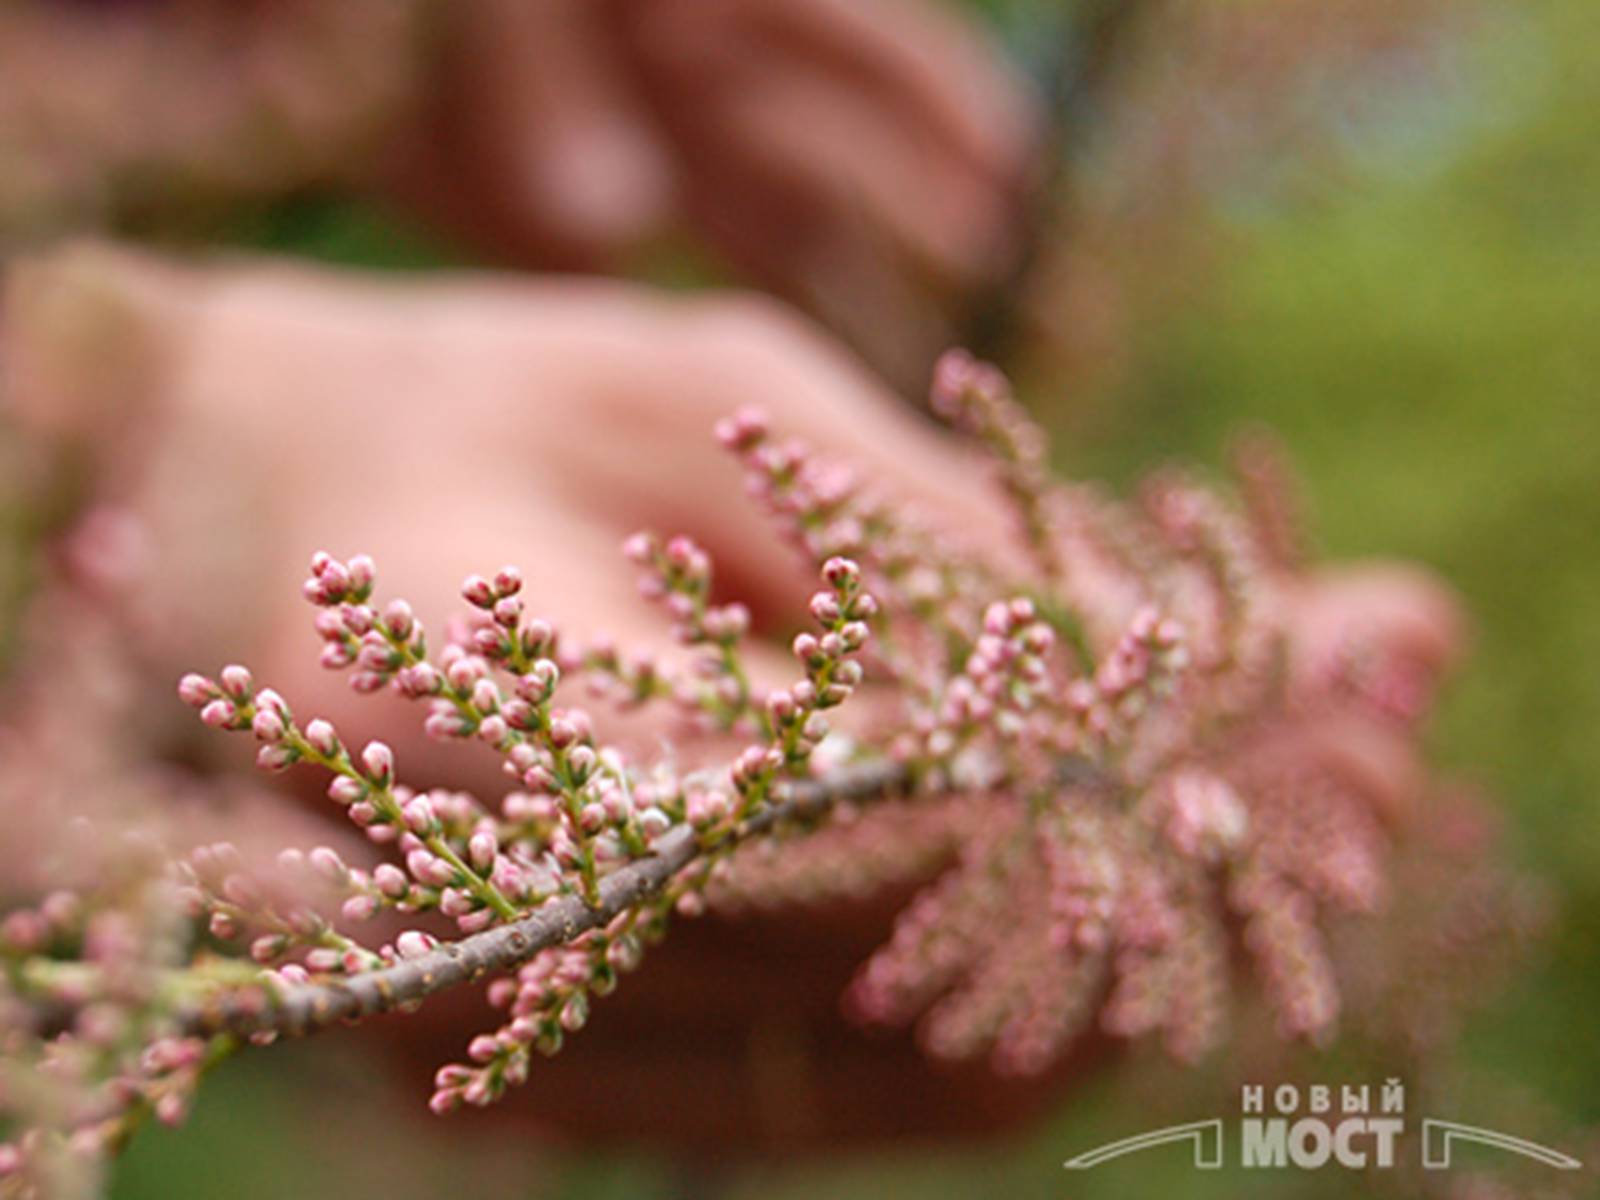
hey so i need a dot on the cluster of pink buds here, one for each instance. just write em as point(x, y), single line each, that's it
point(794, 716)
point(1137, 671)
point(1110, 739)
point(678, 575)
point(548, 999)
point(89, 1046)
point(578, 811)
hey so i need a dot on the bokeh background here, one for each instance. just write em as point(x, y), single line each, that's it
point(1394, 264)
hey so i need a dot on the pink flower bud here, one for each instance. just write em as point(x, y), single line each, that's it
point(24, 930)
point(275, 757)
point(362, 572)
point(335, 656)
point(325, 861)
point(322, 737)
point(515, 714)
point(540, 681)
point(171, 1109)
point(429, 870)
point(61, 909)
point(390, 880)
point(235, 681)
point(825, 608)
point(359, 908)
point(639, 548)
point(743, 430)
point(455, 1075)
point(323, 959)
point(375, 654)
point(219, 714)
point(581, 762)
point(781, 707)
point(444, 1100)
point(490, 642)
point(420, 817)
point(834, 693)
point(841, 573)
point(378, 760)
point(268, 947)
point(334, 580)
point(446, 724)
point(477, 591)
point(728, 623)
point(617, 806)
point(196, 690)
point(345, 790)
point(223, 927)
point(537, 638)
point(507, 581)
point(421, 680)
point(414, 943)
point(241, 890)
point(482, 849)
point(848, 673)
point(476, 921)
point(267, 726)
point(465, 671)
point(357, 618)
point(575, 1012)
point(507, 612)
point(680, 552)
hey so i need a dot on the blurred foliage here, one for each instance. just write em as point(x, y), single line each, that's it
point(1424, 341)
point(332, 230)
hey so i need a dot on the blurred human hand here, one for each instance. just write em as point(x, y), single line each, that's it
point(248, 415)
point(863, 158)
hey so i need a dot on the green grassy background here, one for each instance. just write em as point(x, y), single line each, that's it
point(1428, 345)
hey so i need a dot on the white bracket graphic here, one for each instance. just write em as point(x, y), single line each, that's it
point(1206, 1136)
point(1439, 1136)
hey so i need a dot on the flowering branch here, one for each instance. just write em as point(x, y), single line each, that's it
point(304, 1008)
point(1104, 768)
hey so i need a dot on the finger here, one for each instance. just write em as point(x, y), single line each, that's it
point(935, 68)
point(795, 119)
